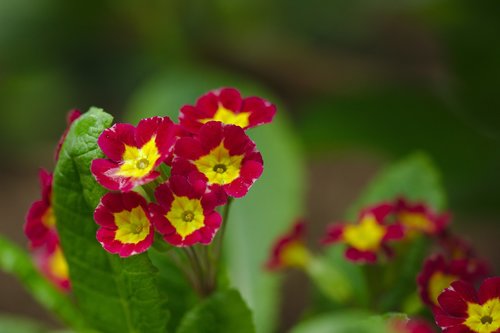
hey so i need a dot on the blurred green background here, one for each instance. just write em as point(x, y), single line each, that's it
point(364, 82)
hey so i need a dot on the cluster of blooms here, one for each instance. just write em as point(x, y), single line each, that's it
point(210, 159)
point(376, 227)
point(456, 266)
point(40, 226)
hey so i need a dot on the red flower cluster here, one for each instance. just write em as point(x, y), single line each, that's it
point(210, 156)
point(40, 226)
point(463, 310)
point(383, 223)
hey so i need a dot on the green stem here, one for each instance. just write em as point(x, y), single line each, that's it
point(217, 257)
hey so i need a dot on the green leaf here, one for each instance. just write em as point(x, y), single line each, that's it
point(414, 178)
point(223, 312)
point(11, 324)
point(175, 285)
point(15, 261)
point(342, 322)
point(272, 204)
point(114, 294)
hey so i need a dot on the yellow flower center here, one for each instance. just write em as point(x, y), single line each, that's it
point(58, 265)
point(438, 283)
point(133, 226)
point(48, 218)
point(365, 236)
point(219, 166)
point(416, 221)
point(484, 318)
point(229, 117)
point(295, 254)
point(186, 215)
point(139, 162)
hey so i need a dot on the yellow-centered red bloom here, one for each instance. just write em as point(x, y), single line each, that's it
point(185, 214)
point(367, 238)
point(134, 153)
point(125, 226)
point(289, 250)
point(419, 218)
point(222, 156)
point(227, 106)
point(437, 274)
point(40, 226)
point(51, 262)
point(463, 310)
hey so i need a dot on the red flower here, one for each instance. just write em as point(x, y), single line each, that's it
point(126, 228)
point(221, 155)
point(420, 218)
point(462, 310)
point(437, 275)
point(227, 106)
point(409, 326)
point(134, 153)
point(52, 263)
point(185, 214)
point(368, 237)
point(40, 226)
point(70, 118)
point(290, 250)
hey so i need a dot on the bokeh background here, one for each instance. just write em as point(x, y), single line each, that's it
point(363, 83)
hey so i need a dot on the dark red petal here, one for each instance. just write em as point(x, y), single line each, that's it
point(380, 211)
point(113, 139)
point(236, 141)
point(181, 187)
point(360, 256)
point(215, 197)
point(452, 303)
point(458, 329)
point(261, 115)
point(333, 234)
point(211, 135)
point(213, 220)
point(230, 99)
point(208, 103)
point(238, 188)
point(164, 196)
point(104, 217)
point(189, 148)
point(489, 289)
point(146, 129)
point(394, 232)
point(465, 290)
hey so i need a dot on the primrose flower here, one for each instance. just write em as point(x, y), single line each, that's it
point(409, 326)
point(462, 309)
point(366, 238)
point(220, 155)
point(227, 106)
point(40, 226)
point(185, 214)
point(70, 118)
point(419, 218)
point(437, 274)
point(134, 153)
point(290, 249)
point(52, 263)
point(125, 226)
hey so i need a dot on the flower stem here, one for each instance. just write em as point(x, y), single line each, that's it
point(216, 259)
